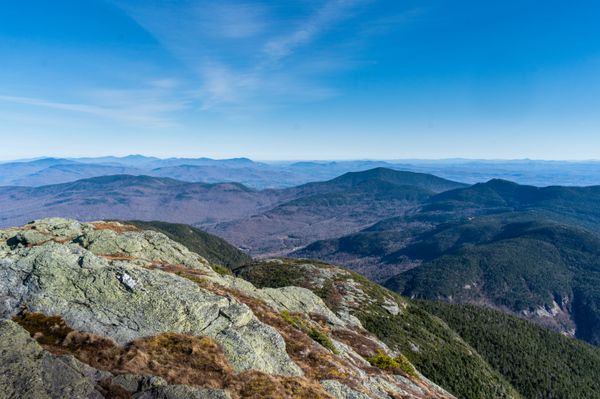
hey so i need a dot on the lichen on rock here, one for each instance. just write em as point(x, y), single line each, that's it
point(125, 301)
point(127, 286)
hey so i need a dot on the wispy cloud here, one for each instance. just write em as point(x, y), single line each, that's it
point(236, 55)
point(240, 52)
point(329, 14)
point(234, 20)
point(135, 107)
point(220, 84)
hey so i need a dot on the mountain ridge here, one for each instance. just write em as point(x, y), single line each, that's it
point(283, 174)
point(327, 209)
point(104, 309)
point(510, 362)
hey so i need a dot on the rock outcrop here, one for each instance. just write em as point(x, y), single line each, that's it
point(106, 310)
point(432, 347)
point(28, 371)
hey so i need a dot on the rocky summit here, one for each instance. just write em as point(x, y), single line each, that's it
point(105, 309)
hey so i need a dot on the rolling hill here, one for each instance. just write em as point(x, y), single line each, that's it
point(539, 269)
point(259, 221)
point(370, 247)
point(258, 175)
point(530, 251)
point(351, 180)
point(11, 171)
point(69, 172)
point(330, 209)
point(133, 197)
point(577, 205)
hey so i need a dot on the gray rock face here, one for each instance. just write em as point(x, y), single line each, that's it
point(342, 391)
point(182, 392)
point(124, 301)
point(293, 299)
point(27, 371)
point(105, 279)
point(142, 246)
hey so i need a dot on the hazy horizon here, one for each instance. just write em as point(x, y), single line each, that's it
point(391, 160)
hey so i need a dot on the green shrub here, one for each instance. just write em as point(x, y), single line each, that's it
point(315, 333)
point(294, 320)
point(222, 270)
point(406, 366)
point(323, 339)
point(383, 361)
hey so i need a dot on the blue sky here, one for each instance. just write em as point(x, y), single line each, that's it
point(304, 79)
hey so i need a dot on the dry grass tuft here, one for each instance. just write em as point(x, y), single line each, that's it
point(113, 257)
point(114, 226)
point(360, 342)
point(315, 360)
point(178, 358)
point(47, 330)
point(263, 386)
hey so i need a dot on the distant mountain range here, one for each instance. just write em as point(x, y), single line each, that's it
point(530, 251)
point(133, 197)
point(261, 175)
point(262, 222)
point(329, 209)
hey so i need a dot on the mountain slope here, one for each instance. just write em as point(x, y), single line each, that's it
point(106, 310)
point(434, 349)
point(132, 197)
point(540, 269)
point(538, 362)
point(576, 205)
point(399, 178)
point(329, 209)
point(367, 251)
point(212, 248)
